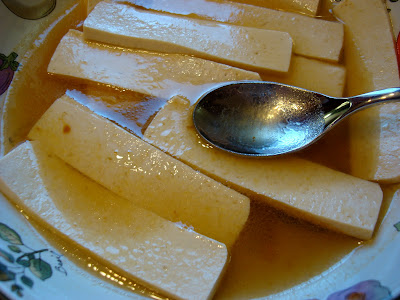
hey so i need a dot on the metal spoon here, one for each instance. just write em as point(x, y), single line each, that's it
point(259, 118)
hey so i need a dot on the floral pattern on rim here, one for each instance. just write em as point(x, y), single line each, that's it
point(8, 65)
point(364, 290)
point(397, 226)
point(14, 269)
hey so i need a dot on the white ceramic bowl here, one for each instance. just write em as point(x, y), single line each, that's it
point(372, 269)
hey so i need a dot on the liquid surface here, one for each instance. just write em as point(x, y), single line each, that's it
point(274, 252)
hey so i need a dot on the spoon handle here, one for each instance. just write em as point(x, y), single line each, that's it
point(356, 103)
point(372, 98)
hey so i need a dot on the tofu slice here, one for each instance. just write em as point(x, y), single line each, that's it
point(250, 48)
point(312, 37)
point(304, 189)
point(374, 132)
point(308, 7)
point(303, 72)
point(139, 172)
point(159, 254)
point(161, 75)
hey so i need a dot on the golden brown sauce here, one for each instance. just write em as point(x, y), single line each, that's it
point(274, 252)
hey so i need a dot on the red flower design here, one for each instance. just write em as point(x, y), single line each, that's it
point(365, 290)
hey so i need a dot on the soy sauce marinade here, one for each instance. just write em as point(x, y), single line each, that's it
point(273, 253)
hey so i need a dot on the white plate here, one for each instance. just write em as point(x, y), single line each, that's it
point(372, 269)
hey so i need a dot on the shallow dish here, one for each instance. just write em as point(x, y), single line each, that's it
point(59, 271)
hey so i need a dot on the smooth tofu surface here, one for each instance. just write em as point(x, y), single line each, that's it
point(251, 48)
point(161, 75)
point(158, 253)
point(307, 190)
point(375, 132)
point(308, 7)
point(139, 172)
point(303, 71)
point(312, 37)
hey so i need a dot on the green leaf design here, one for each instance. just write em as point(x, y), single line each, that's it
point(397, 226)
point(9, 235)
point(14, 248)
point(17, 289)
point(27, 281)
point(32, 260)
point(4, 65)
point(12, 56)
point(6, 275)
point(9, 61)
point(14, 65)
point(40, 268)
point(23, 262)
point(7, 256)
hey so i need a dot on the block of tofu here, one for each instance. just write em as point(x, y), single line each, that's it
point(302, 188)
point(375, 132)
point(312, 37)
point(159, 254)
point(245, 47)
point(304, 71)
point(161, 75)
point(140, 172)
point(308, 7)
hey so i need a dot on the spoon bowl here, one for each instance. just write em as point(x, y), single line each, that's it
point(259, 118)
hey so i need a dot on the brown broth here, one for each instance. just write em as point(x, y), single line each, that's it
point(274, 252)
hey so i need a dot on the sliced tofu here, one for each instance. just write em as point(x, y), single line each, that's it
point(371, 63)
point(308, 7)
point(303, 71)
point(312, 37)
point(307, 190)
point(161, 75)
point(161, 255)
point(76, 58)
point(139, 172)
point(250, 48)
